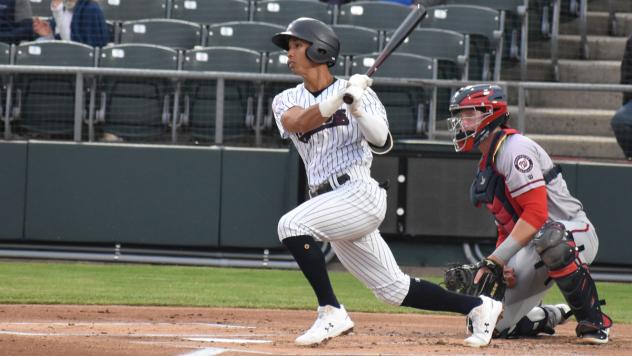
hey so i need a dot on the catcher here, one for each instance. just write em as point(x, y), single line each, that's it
point(544, 236)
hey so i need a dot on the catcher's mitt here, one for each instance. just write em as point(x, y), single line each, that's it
point(460, 279)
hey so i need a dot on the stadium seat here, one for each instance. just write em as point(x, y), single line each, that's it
point(406, 107)
point(252, 35)
point(515, 25)
point(176, 34)
point(128, 10)
point(485, 27)
point(136, 108)
point(40, 8)
point(282, 12)
point(451, 48)
point(356, 39)
point(44, 105)
point(209, 12)
point(373, 14)
point(5, 53)
point(239, 96)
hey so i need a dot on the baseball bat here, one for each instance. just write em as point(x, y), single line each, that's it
point(405, 28)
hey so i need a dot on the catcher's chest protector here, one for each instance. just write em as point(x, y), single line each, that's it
point(489, 188)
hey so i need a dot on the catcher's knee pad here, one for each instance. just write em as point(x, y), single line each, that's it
point(394, 292)
point(561, 256)
point(557, 251)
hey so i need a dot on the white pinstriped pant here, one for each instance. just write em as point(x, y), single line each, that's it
point(348, 218)
point(530, 287)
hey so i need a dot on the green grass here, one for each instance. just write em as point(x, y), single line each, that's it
point(128, 284)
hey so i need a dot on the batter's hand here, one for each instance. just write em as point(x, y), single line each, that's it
point(356, 92)
point(360, 80)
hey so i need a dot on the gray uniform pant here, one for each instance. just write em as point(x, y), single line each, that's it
point(530, 287)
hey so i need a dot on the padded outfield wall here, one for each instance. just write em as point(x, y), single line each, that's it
point(213, 198)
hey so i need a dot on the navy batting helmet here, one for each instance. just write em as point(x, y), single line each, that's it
point(324, 41)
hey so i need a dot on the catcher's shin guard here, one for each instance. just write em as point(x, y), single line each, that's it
point(560, 254)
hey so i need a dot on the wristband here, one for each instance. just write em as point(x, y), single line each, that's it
point(507, 249)
point(330, 106)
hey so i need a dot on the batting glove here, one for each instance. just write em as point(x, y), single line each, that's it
point(360, 80)
point(356, 92)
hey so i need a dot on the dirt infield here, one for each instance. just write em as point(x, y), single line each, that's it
point(118, 330)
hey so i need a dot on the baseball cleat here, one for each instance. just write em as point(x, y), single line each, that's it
point(483, 319)
point(590, 333)
point(331, 322)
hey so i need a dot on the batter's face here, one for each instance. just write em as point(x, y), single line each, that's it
point(297, 59)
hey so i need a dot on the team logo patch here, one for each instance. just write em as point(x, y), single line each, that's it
point(523, 163)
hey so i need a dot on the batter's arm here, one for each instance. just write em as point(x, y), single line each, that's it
point(297, 119)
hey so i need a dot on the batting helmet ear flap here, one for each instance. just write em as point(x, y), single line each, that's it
point(322, 52)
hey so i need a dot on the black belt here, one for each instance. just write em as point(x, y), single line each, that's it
point(326, 187)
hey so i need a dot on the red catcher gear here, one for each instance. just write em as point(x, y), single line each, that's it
point(476, 111)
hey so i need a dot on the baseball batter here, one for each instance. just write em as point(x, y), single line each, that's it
point(543, 231)
point(347, 205)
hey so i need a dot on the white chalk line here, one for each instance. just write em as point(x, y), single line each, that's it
point(118, 323)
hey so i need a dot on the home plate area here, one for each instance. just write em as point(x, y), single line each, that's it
point(126, 330)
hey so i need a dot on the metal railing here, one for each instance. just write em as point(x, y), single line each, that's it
point(180, 76)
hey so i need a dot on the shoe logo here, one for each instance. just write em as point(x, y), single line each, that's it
point(486, 328)
point(328, 327)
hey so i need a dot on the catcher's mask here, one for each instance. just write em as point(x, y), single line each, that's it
point(324, 41)
point(476, 111)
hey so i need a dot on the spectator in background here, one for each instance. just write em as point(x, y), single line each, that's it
point(622, 121)
point(16, 22)
point(74, 20)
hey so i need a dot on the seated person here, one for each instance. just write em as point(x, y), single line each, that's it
point(15, 21)
point(622, 121)
point(74, 20)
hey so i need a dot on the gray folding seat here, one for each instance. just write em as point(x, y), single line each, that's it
point(515, 24)
point(176, 34)
point(282, 12)
point(407, 107)
point(485, 28)
point(239, 96)
point(252, 35)
point(5, 53)
point(356, 39)
point(209, 12)
point(136, 108)
point(44, 105)
point(127, 10)
point(40, 8)
point(373, 14)
point(445, 45)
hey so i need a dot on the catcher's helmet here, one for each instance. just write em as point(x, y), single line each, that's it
point(325, 44)
point(476, 111)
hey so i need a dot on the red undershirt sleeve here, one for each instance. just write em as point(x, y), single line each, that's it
point(534, 206)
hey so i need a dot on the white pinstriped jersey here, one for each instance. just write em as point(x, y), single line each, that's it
point(338, 144)
point(349, 215)
point(522, 162)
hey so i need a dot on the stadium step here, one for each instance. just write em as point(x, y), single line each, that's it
point(559, 121)
point(598, 24)
point(604, 5)
point(574, 99)
point(579, 146)
point(574, 71)
point(600, 47)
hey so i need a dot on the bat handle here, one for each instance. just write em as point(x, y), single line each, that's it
point(348, 99)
